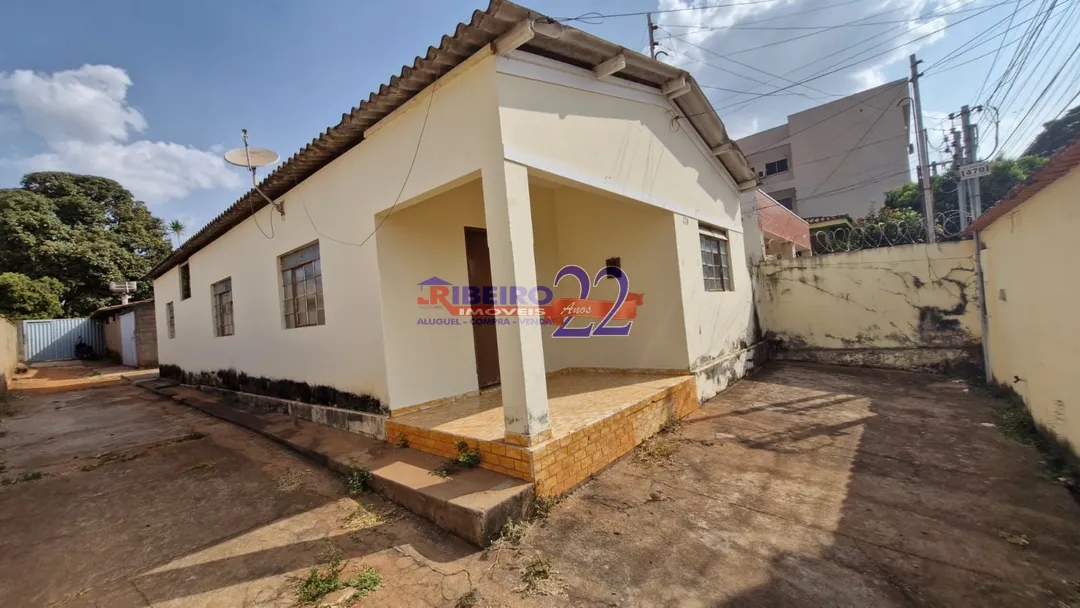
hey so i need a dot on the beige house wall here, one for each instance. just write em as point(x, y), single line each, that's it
point(608, 175)
point(342, 199)
point(9, 352)
point(1032, 299)
point(906, 307)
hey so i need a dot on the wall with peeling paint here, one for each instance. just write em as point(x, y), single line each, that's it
point(1032, 299)
point(906, 307)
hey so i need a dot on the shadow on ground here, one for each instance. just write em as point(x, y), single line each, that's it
point(816, 485)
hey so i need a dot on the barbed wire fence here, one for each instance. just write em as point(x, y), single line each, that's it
point(871, 235)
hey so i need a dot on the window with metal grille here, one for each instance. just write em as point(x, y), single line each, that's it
point(301, 285)
point(775, 167)
point(185, 281)
point(715, 259)
point(170, 320)
point(221, 300)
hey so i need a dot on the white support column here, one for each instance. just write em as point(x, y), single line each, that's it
point(508, 215)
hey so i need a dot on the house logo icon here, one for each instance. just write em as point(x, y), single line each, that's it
point(433, 281)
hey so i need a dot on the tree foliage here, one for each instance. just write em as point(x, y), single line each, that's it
point(1004, 175)
point(24, 298)
point(1056, 134)
point(82, 231)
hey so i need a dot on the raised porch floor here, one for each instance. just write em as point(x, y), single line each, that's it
point(596, 417)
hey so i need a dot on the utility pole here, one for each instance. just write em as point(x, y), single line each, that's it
point(971, 152)
point(961, 186)
point(924, 154)
point(652, 38)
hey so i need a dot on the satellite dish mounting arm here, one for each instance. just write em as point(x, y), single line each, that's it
point(254, 183)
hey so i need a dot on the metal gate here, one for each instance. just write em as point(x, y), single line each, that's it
point(55, 339)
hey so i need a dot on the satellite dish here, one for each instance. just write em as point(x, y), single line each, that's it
point(251, 157)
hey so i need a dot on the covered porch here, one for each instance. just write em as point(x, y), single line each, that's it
point(538, 405)
point(596, 417)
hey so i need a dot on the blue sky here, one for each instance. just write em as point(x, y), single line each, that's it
point(171, 84)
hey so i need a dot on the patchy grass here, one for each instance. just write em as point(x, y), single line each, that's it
point(467, 458)
point(23, 478)
point(366, 582)
point(202, 466)
point(544, 505)
point(1015, 421)
point(320, 581)
point(358, 481)
point(513, 532)
point(540, 577)
point(469, 600)
point(403, 441)
point(369, 516)
point(661, 446)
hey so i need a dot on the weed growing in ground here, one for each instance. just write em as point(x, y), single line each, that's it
point(1014, 421)
point(467, 458)
point(202, 466)
point(469, 600)
point(403, 441)
point(513, 532)
point(366, 582)
point(358, 481)
point(544, 505)
point(540, 577)
point(320, 581)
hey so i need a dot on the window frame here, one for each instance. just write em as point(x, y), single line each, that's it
point(220, 300)
point(185, 281)
point(170, 319)
point(307, 261)
point(720, 279)
point(776, 166)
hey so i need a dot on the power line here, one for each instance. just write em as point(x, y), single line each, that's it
point(998, 54)
point(776, 17)
point(592, 17)
point(827, 72)
point(785, 41)
point(1041, 95)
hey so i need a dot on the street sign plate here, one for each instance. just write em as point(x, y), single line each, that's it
point(975, 170)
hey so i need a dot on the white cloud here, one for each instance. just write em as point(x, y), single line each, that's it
point(776, 56)
point(86, 122)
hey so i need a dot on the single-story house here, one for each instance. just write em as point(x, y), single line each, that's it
point(522, 162)
point(130, 332)
point(1032, 327)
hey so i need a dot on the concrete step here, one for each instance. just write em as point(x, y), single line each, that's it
point(474, 504)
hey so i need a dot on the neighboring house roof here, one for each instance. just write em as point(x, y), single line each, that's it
point(107, 310)
point(824, 221)
point(566, 44)
point(1062, 162)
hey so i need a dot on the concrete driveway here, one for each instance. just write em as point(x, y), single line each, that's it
point(802, 485)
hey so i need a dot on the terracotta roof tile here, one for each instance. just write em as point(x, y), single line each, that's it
point(1062, 162)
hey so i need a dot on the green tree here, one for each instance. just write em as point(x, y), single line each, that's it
point(1056, 134)
point(1004, 175)
point(24, 298)
point(84, 231)
point(177, 228)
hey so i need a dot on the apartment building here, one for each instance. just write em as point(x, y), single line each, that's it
point(838, 158)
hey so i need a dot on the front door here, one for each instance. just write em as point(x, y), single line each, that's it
point(127, 339)
point(485, 340)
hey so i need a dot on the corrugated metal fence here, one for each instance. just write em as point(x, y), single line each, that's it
point(55, 339)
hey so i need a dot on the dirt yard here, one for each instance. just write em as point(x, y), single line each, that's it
point(802, 485)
